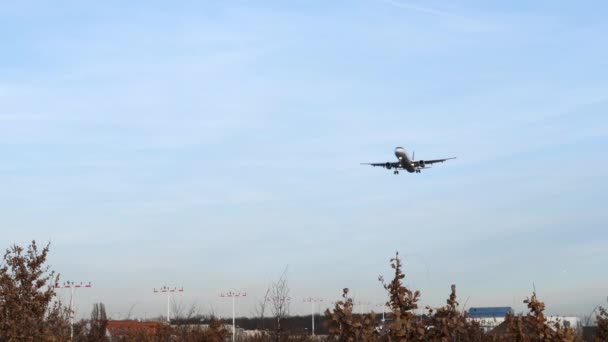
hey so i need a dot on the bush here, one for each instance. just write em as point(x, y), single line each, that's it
point(344, 326)
point(533, 326)
point(28, 308)
point(602, 325)
point(444, 324)
point(449, 324)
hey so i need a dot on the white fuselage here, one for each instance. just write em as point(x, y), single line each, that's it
point(404, 160)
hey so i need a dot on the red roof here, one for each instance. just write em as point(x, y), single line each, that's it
point(123, 327)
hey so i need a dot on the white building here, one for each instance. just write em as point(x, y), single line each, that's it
point(566, 321)
point(489, 317)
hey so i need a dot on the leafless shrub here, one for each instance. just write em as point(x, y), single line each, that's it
point(279, 297)
point(260, 308)
point(181, 312)
point(130, 312)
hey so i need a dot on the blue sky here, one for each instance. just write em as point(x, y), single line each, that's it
point(210, 144)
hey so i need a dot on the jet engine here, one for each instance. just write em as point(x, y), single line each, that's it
point(388, 166)
point(422, 164)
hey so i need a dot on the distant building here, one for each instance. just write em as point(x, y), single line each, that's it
point(529, 327)
point(126, 327)
point(489, 317)
point(566, 321)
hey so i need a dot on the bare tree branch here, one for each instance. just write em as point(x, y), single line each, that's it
point(131, 310)
point(279, 296)
point(177, 308)
point(260, 308)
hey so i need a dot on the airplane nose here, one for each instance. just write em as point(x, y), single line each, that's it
point(400, 153)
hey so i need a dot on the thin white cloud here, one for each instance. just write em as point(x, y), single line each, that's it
point(466, 23)
point(423, 9)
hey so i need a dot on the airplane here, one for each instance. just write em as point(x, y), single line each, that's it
point(405, 163)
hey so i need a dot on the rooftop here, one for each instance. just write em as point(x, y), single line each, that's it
point(485, 312)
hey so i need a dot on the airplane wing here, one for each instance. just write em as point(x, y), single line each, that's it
point(387, 165)
point(430, 162)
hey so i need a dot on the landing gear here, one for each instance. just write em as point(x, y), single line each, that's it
point(417, 171)
point(395, 172)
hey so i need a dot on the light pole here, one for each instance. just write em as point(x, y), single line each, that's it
point(363, 304)
point(234, 296)
point(312, 301)
point(383, 306)
point(72, 286)
point(168, 291)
